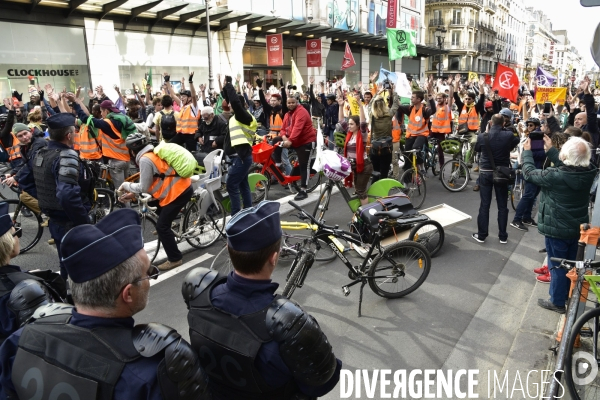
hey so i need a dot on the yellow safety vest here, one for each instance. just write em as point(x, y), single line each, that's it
point(240, 134)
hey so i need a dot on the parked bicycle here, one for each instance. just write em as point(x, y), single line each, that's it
point(392, 272)
point(455, 174)
point(413, 179)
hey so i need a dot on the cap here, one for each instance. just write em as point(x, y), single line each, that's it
point(5, 220)
point(60, 120)
point(18, 127)
point(109, 105)
point(488, 104)
point(254, 228)
point(89, 251)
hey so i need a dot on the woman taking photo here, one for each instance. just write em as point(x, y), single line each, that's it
point(381, 132)
point(355, 152)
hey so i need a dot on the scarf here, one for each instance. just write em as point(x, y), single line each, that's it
point(360, 152)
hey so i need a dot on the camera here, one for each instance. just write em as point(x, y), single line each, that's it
point(386, 84)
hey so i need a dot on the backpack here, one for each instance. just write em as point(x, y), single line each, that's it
point(128, 127)
point(180, 159)
point(168, 125)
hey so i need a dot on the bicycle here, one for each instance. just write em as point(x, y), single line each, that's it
point(392, 272)
point(337, 18)
point(455, 174)
point(413, 179)
point(515, 191)
point(265, 166)
point(31, 226)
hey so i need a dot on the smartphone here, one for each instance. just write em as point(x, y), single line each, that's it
point(547, 107)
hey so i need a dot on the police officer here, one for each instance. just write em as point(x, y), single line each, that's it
point(171, 191)
point(64, 185)
point(255, 344)
point(94, 351)
point(21, 293)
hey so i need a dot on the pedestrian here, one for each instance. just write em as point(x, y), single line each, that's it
point(21, 293)
point(298, 133)
point(381, 131)
point(355, 151)
point(331, 117)
point(187, 119)
point(468, 119)
point(9, 141)
point(563, 207)
point(165, 129)
point(498, 143)
point(417, 130)
point(242, 131)
point(211, 133)
point(171, 191)
point(93, 350)
point(88, 137)
point(283, 356)
point(64, 185)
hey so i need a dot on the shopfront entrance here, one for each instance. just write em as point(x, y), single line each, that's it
point(255, 66)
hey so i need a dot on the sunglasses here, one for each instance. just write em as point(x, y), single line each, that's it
point(153, 273)
point(530, 124)
point(18, 232)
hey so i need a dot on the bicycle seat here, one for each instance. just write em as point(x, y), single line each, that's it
point(389, 214)
point(412, 151)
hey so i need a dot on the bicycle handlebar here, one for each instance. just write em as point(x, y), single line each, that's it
point(572, 263)
point(322, 225)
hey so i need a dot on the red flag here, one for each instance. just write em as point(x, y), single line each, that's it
point(488, 79)
point(348, 58)
point(313, 53)
point(392, 11)
point(274, 50)
point(507, 83)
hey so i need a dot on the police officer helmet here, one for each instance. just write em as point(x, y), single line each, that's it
point(534, 121)
point(505, 112)
point(135, 142)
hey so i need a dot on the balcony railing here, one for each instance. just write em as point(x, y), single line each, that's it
point(476, 2)
point(455, 46)
point(457, 21)
point(490, 5)
point(484, 25)
point(436, 22)
point(472, 23)
point(487, 48)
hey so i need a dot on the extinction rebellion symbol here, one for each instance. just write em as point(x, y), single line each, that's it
point(274, 40)
point(505, 80)
point(313, 44)
point(400, 36)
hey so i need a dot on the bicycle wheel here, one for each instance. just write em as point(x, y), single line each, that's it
point(455, 175)
point(430, 234)
point(433, 161)
point(582, 357)
point(103, 204)
point(314, 180)
point(399, 270)
point(150, 236)
point(9, 192)
point(222, 262)
point(517, 194)
point(511, 197)
point(261, 192)
point(322, 205)
point(201, 231)
point(31, 226)
point(298, 270)
point(414, 187)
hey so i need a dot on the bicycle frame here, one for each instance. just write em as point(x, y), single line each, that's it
point(281, 177)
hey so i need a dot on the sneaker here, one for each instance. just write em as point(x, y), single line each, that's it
point(26, 212)
point(519, 225)
point(548, 305)
point(476, 188)
point(543, 278)
point(44, 223)
point(50, 241)
point(476, 237)
point(541, 270)
point(503, 241)
point(476, 168)
point(530, 222)
point(301, 195)
point(167, 265)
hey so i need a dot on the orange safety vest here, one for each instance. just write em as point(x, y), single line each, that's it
point(441, 120)
point(417, 125)
point(88, 146)
point(14, 151)
point(396, 130)
point(114, 148)
point(187, 123)
point(470, 118)
point(168, 186)
point(76, 140)
point(276, 122)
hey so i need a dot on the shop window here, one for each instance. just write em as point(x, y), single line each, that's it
point(343, 14)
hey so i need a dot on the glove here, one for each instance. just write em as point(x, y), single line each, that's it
point(259, 82)
point(280, 81)
point(191, 78)
point(289, 87)
point(294, 87)
point(228, 79)
point(17, 96)
point(167, 78)
point(41, 92)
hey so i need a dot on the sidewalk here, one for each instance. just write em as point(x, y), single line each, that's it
point(510, 335)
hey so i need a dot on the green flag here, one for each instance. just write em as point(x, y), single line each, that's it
point(401, 43)
point(149, 80)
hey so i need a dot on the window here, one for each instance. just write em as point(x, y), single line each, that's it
point(456, 14)
point(454, 63)
point(456, 38)
point(437, 15)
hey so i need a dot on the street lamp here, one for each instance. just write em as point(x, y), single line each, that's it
point(440, 35)
point(208, 41)
point(498, 52)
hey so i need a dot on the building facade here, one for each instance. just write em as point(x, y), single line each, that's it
point(541, 42)
point(106, 42)
point(566, 61)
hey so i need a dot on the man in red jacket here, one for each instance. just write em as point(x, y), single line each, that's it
point(297, 132)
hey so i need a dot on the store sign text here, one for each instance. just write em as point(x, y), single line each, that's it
point(43, 72)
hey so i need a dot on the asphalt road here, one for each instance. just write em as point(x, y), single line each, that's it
point(417, 331)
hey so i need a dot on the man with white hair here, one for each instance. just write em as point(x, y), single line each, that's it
point(211, 133)
point(563, 207)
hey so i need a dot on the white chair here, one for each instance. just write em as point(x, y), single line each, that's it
point(212, 164)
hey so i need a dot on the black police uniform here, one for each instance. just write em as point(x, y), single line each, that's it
point(85, 357)
point(253, 344)
point(64, 188)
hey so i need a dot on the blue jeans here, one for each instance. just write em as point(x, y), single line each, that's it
point(559, 283)
point(526, 203)
point(486, 184)
point(57, 232)
point(237, 183)
point(285, 161)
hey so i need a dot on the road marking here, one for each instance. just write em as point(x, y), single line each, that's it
point(181, 268)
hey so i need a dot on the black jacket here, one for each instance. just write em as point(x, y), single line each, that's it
point(502, 141)
point(217, 130)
